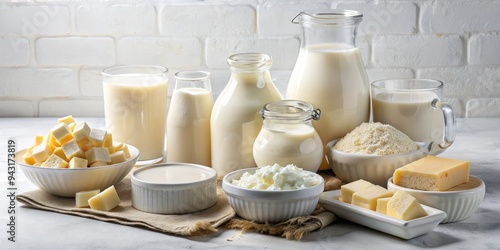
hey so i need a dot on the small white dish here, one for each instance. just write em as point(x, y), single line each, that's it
point(381, 222)
point(174, 188)
point(459, 202)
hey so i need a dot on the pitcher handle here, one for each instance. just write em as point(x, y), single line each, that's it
point(449, 123)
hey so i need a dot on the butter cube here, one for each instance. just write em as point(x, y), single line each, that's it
point(67, 119)
point(78, 162)
point(54, 161)
point(97, 137)
point(81, 131)
point(98, 164)
point(349, 189)
point(108, 143)
point(97, 154)
point(117, 157)
point(367, 197)
point(41, 152)
point(62, 133)
point(106, 200)
point(382, 205)
point(71, 149)
point(82, 198)
point(59, 152)
point(404, 206)
point(432, 173)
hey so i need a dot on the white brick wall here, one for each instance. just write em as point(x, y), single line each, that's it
point(52, 52)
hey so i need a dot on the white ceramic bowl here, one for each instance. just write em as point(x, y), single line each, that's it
point(67, 182)
point(459, 203)
point(270, 206)
point(174, 188)
point(376, 169)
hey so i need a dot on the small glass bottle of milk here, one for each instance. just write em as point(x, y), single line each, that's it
point(288, 137)
point(329, 72)
point(188, 119)
point(235, 120)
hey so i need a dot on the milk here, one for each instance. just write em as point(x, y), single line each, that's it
point(236, 122)
point(332, 78)
point(284, 144)
point(135, 113)
point(188, 126)
point(411, 113)
point(172, 174)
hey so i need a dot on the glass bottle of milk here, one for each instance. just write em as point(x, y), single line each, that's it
point(188, 119)
point(235, 121)
point(330, 74)
point(288, 137)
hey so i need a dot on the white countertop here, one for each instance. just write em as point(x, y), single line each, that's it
point(478, 140)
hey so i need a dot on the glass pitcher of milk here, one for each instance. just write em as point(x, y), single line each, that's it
point(330, 74)
point(288, 137)
point(235, 120)
point(188, 119)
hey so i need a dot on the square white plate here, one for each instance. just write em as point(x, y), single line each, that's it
point(381, 222)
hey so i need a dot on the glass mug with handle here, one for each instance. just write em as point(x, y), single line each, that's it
point(414, 107)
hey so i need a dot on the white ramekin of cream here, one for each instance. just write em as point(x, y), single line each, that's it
point(174, 188)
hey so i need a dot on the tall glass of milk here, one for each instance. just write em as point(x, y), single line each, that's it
point(235, 120)
point(330, 74)
point(135, 108)
point(188, 119)
point(414, 107)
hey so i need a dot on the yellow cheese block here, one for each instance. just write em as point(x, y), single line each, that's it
point(71, 149)
point(59, 152)
point(54, 161)
point(67, 119)
point(78, 162)
point(98, 164)
point(41, 152)
point(349, 189)
point(404, 206)
point(81, 131)
point(97, 154)
point(97, 137)
point(106, 200)
point(62, 133)
point(108, 143)
point(367, 197)
point(82, 198)
point(117, 157)
point(432, 173)
point(382, 205)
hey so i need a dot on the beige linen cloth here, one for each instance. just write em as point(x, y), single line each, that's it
point(199, 223)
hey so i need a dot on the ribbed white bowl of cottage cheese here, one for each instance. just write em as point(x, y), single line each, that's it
point(273, 193)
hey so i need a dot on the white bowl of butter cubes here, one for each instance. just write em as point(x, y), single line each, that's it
point(273, 194)
point(73, 157)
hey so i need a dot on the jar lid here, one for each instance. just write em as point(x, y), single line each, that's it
point(328, 17)
point(290, 110)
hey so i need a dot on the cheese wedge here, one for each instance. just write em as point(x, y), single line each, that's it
point(349, 189)
point(404, 206)
point(432, 173)
point(106, 200)
point(82, 198)
point(368, 197)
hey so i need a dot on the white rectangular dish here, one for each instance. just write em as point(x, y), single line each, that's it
point(400, 228)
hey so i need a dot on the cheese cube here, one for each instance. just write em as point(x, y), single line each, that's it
point(41, 152)
point(349, 189)
point(78, 162)
point(108, 143)
point(117, 157)
point(98, 164)
point(106, 200)
point(97, 154)
point(54, 161)
point(59, 152)
point(81, 131)
point(97, 137)
point(432, 173)
point(38, 139)
point(62, 133)
point(28, 158)
point(71, 149)
point(404, 206)
point(67, 119)
point(367, 197)
point(382, 205)
point(85, 144)
point(72, 126)
point(82, 198)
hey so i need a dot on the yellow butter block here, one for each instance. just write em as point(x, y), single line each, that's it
point(78, 162)
point(81, 131)
point(367, 197)
point(404, 206)
point(41, 152)
point(97, 154)
point(349, 189)
point(106, 200)
point(82, 198)
point(67, 119)
point(432, 173)
point(54, 161)
point(382, 205)
point(62, 133)
point(97, 137)
point(71, 149)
